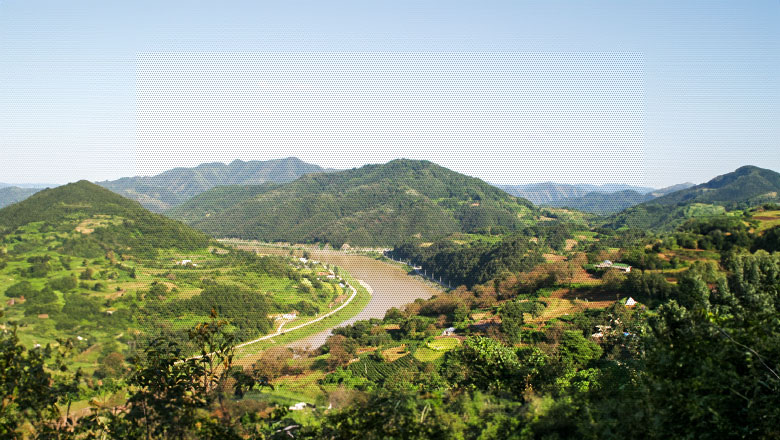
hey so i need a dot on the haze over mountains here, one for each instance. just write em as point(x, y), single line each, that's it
point(366, 205)
point(175, 186)
point(375, 205)
point(596, 199)
point(546, 193)
point(13, 194)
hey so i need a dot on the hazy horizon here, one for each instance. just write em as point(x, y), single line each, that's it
point(644, 93)
point(34, 184)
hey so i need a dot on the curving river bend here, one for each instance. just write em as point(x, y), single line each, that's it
point(390, 286)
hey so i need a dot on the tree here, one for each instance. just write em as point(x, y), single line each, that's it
point(576, 351)
point(613, 280)
point(172, 392)
point(339, 354)
point(484, 363)
point(713, 367)
point(512, 320)
point(273, 363)
point(88, 274)
point(31, 392)
point(111, 365)
point(390, 415)
point(20, 289)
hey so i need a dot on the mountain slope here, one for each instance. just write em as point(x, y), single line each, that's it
point(13, 194)
point(745, 187)
point(216, 200)
point(107, 219)
point(175, 186)
point(376, 205)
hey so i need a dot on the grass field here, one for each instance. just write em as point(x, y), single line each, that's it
point(767, 219)
point(425, 354)
point(444, 344)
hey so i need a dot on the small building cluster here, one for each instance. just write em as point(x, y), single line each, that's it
point(606, 264)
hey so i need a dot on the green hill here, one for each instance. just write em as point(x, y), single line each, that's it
point(376, 205)
point(83, 262)
point(113, 221)
point(746, 187)
point(175, 186)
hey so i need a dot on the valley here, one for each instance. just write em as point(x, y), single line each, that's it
point(391, 286)
point(542, 306)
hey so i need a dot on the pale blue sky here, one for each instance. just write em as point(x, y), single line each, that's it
point(500, 90)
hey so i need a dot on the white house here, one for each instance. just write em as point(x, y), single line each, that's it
point(630, 302)
point(606, 264)
point(448, 331)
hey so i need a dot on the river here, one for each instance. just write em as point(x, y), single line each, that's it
point(390, 286)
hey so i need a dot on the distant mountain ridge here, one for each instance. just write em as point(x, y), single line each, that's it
point(170, 188)
point(29, 185)
point(595, 199)
point(375, 205)
point(548, 193)
point(604, 203)
point(745, 187)
point(13, 194)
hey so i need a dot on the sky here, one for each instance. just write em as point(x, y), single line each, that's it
point(647, 93)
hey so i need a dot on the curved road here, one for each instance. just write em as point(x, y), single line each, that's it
point(389, 285)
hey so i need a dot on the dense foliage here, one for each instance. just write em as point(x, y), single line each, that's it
point(477, 262)
point(703, 365)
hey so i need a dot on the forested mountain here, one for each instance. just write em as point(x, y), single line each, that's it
point(173, 187)
point(13, 194)
point(376, 205)
point(747, 186)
